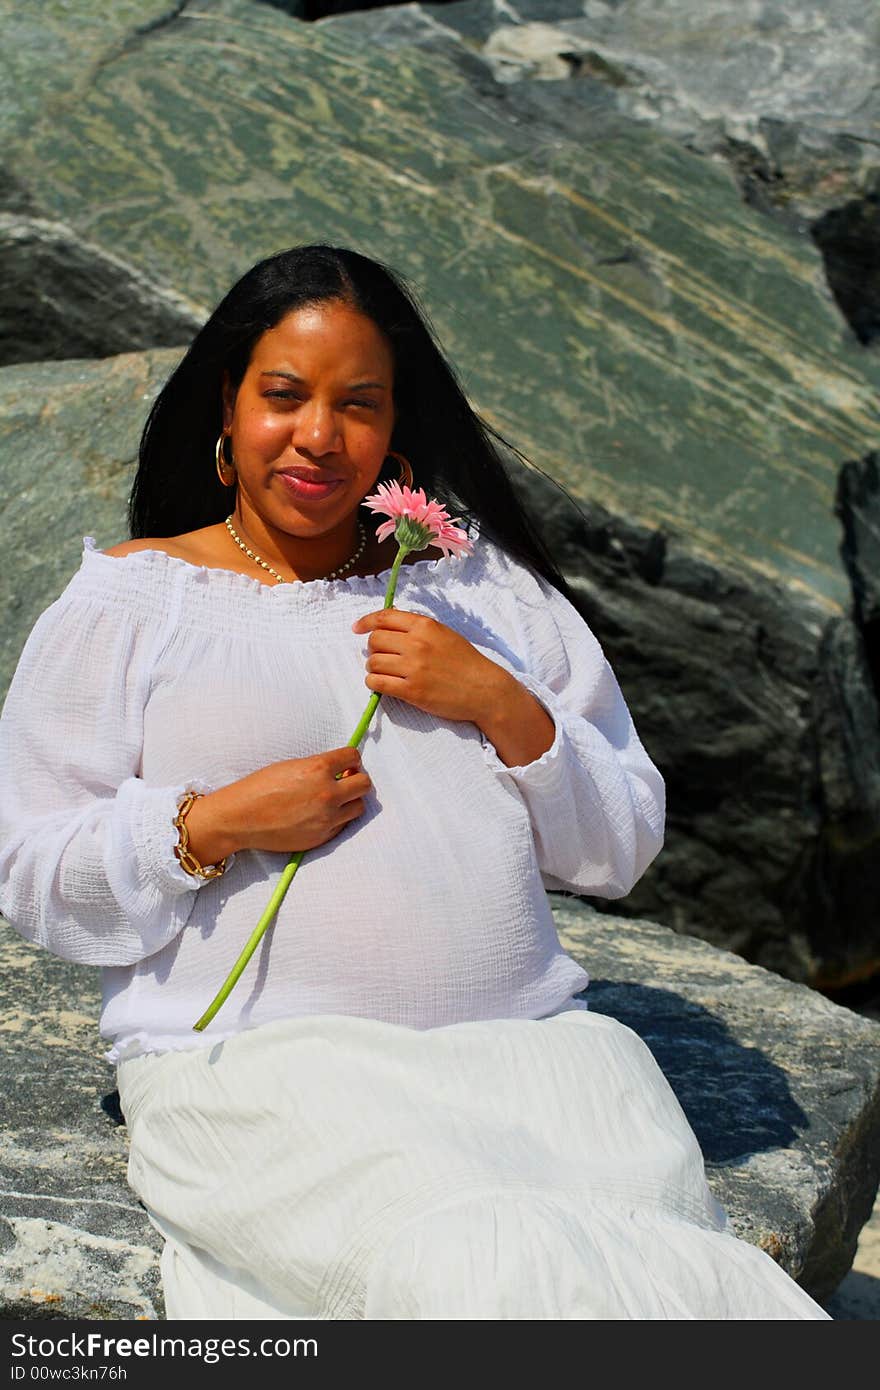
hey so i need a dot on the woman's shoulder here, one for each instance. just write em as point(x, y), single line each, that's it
point(131, 547)
point(192, 546)
point(155, 563)
point(134, 576)
point(505, 571)
point(103, 596)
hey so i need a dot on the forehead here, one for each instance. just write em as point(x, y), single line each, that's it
point(324, 337)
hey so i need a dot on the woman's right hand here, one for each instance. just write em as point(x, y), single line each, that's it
point(296, 804)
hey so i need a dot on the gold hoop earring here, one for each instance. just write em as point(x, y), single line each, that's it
point(405, 476)
point(223, 465)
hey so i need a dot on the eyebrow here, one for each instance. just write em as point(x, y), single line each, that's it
point(353, 386)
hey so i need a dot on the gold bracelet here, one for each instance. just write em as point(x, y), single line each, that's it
point(187, 859)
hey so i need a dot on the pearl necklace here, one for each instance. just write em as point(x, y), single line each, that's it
point(334, 574)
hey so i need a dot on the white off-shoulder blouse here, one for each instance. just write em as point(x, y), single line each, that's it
point(149, 675)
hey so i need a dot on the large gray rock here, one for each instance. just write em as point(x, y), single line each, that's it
point(781, 1087)
point(74, 1240)
point(56, 291)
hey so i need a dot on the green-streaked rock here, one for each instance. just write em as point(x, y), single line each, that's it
point(612, 305)
point(786, 90)
point(52, 50)
point(68, 442)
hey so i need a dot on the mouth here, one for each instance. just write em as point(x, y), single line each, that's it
point(303, 483)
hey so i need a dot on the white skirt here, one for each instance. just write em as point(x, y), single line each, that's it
point(340, 1167)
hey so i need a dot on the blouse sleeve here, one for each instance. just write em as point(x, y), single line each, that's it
point(87, 864)
point(596, 801)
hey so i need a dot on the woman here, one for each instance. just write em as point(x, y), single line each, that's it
point(403, 1110)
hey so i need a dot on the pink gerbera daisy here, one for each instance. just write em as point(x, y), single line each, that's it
point(415, 521)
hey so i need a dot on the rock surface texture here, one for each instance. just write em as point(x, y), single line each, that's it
point(781, 1087)
point(618, 311)
point(68, 443)
point(786, 90)
point(56, 291)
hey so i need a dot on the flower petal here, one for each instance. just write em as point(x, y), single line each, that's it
point(416, 521)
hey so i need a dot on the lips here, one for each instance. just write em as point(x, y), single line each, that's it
point(308, 475)
point(303, 483)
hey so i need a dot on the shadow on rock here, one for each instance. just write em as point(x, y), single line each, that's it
point(736, 1100)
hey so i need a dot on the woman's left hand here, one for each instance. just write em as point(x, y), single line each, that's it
point(423, 662)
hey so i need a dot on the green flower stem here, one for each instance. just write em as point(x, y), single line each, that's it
point(293, 864)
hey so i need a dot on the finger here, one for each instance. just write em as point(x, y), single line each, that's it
point(387, 640)
point(386, 664)
point(356, 784)
point(342, 759)
point(395, 686)
point(395, 619)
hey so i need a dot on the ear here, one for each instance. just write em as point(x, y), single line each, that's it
point(229, 393)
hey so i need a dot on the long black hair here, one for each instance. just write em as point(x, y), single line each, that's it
point(456, 456)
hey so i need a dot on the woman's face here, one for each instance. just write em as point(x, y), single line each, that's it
point(311, 421)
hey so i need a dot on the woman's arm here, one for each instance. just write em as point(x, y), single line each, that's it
point(87, 864)
point(596, 801)
point(515, 723)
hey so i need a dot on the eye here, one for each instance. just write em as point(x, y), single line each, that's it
point(295, 396)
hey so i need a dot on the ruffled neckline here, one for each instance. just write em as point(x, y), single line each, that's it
point(310, 590)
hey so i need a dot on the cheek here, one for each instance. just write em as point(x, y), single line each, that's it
point(367, 445)
point(258, 430)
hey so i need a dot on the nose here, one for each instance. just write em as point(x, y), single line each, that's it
point(316, 429)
